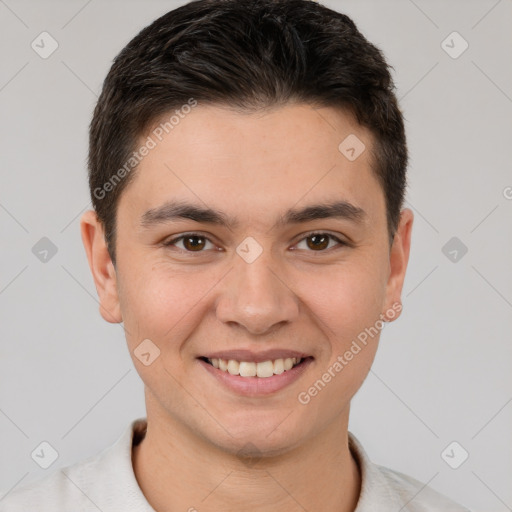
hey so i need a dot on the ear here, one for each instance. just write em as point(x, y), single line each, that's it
point(398, 259)
point(101, 266)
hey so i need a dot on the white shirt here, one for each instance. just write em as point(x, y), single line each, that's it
point(106, 482)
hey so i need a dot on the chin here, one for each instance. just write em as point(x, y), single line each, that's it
point(264, 435)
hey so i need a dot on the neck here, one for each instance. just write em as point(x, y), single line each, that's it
point(177, 470)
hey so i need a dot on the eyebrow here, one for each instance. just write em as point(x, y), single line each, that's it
point(175, 210)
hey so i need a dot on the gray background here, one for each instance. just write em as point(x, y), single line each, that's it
point(443, 370)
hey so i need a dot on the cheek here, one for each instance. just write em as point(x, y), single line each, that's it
point(346, 297)
point(346, 304)
point(165, 307)
point(162, 304)
point(347, 307)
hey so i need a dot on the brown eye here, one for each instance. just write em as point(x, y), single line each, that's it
point(319, 242)
point(192, 242)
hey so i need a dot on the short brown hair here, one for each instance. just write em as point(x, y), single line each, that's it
point(248, 55)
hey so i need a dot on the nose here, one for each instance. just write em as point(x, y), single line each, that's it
point(257, 296)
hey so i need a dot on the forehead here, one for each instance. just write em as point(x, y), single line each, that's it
point(255, 162)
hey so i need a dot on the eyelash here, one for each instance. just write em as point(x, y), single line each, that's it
point(172, 242)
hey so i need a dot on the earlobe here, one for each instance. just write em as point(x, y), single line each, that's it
point(102, 268)
point(398, 260)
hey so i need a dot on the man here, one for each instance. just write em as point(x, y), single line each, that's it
point(247, 167)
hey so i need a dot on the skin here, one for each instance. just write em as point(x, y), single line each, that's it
point(253, 167)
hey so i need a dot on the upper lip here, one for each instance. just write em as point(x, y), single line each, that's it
point(256, 357)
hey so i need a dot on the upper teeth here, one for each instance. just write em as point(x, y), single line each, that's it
point(251, 369)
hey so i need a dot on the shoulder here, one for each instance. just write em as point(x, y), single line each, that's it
point(416, 496)
point(60, 490)
point(105, 481)
point(387, 490)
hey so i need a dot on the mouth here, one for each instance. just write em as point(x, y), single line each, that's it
point(253, 369)
point(255, 374)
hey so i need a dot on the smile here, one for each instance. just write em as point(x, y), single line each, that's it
point(262, 369)
point(256, 378)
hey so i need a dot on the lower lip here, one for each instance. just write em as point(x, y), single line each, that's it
point(257, 386)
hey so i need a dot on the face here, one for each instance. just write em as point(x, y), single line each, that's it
point(261, 277)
